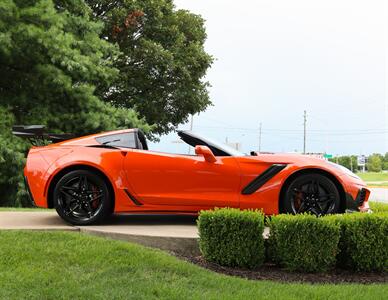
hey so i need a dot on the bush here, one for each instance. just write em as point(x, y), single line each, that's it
point(363, 244)
point(231, 237)
point(303, 242)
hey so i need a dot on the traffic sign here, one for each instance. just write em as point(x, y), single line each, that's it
point(361, 160)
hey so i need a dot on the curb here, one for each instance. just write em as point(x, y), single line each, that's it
point(179, 245)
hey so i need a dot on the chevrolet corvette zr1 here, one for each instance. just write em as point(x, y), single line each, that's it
point(87, 178)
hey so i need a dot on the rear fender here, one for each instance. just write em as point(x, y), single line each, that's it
point(38, 162)
point(109, 163)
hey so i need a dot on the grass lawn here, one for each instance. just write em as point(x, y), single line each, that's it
point(375, 179)
point(378, 206)
point(24, 209)
point(373, 176)
point(377, 185)
point(59, 265)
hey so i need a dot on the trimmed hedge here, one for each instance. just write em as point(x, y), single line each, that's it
point(364, 241)
point(234, 238)
point(231, 237)
point(304, 242)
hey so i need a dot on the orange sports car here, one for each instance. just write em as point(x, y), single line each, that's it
point(87, 178)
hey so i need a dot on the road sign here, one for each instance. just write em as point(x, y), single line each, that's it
point(361, 160)
point(328, 155)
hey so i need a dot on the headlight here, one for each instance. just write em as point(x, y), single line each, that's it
point(345, 170)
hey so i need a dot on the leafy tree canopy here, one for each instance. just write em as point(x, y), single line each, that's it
point(51, 60)
point(12, 160)
point(162, 61)
point(349, 162)
point(374, 163)
point(385, 161)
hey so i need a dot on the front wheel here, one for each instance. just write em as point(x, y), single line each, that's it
point(311, 193)
point(81, 197)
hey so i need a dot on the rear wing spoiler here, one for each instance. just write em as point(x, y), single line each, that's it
point(37, 134)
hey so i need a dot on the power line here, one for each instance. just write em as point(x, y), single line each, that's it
point(260, 138)
point(297, 131)
point(191, 129)
point(304, 131)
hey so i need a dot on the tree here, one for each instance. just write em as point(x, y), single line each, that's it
point(344, 161)
point(374, 163)
point(162, 61)
point(349, 162)
point(385, 161)
point(11, 164)
point(51, 60)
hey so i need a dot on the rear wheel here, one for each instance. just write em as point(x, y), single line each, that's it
point(82, 197)
point(311, 193)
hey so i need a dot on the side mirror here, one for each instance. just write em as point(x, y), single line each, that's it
point(206, 153)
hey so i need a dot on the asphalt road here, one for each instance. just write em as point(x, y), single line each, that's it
point(379, 194)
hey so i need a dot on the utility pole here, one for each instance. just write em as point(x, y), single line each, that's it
point(351, 163)
point(191, 122)
point(260, 138)
point(191, 129)
point(304, 131)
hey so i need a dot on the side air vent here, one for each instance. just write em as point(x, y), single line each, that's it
point(260, 180)
point(133, 199)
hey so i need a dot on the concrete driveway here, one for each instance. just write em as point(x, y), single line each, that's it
point(379, 194)
point(172, 233)
point(153, 225)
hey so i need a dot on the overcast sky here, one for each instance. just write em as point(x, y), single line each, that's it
point(276, 58)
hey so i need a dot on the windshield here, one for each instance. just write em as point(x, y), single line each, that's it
point(218, 149)
point(223, 147)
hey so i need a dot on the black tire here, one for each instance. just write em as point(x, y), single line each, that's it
point(82, 197)
point(311, 193)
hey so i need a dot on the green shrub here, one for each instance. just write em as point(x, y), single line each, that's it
point(303, 242)
point(363, 244)
point(231, 237)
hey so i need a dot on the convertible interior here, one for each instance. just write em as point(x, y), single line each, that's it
point(136, 140)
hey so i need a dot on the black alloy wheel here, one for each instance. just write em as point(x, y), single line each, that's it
point(312, 193)
point(81, 197)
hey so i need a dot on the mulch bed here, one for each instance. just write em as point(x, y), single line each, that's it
point(273, 272)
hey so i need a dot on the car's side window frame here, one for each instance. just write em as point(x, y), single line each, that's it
point(104, 140)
